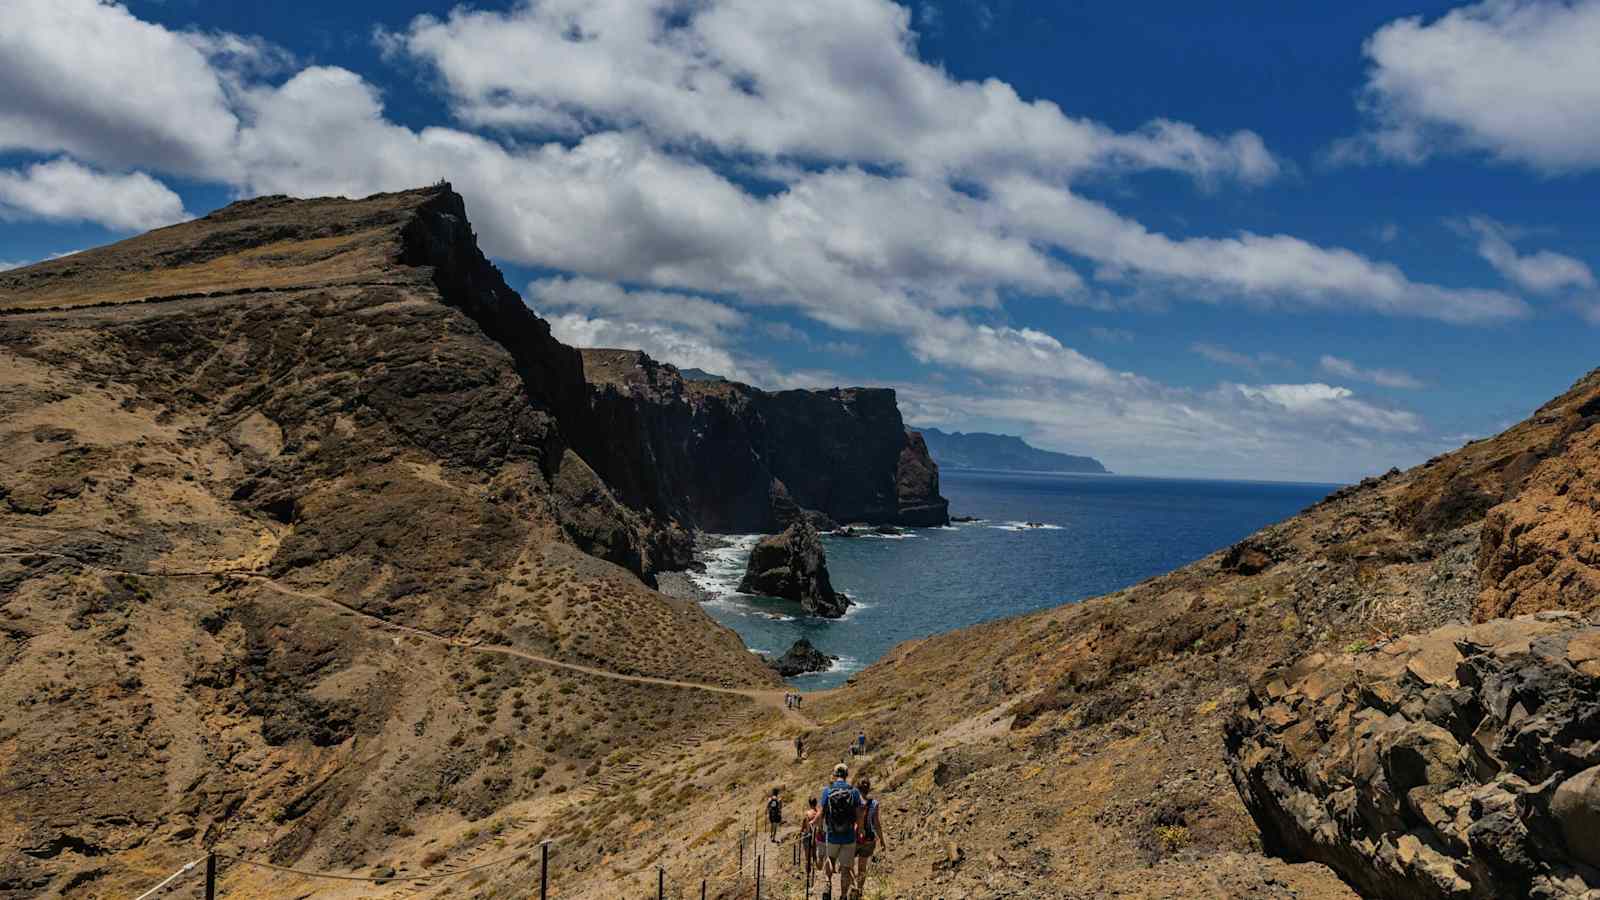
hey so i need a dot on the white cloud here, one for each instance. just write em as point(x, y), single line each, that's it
point(65, 191)
point(833, 80)
point(681, 348)
point(1111, 335)
point(91, 79)
point(1268, 270)
point(6, 264)
point(1328, 402)
point(1017, 352)
point(589, 295)
point(1517, 79)
point(1284, 431)
point(1250, 361)
point(1389, 378)
point(1543, 271)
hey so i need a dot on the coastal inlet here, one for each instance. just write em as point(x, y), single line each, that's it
point(1039, 540)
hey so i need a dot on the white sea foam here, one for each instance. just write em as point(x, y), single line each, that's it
point(1024, 526)
point(887, 537)
point(847, 665)
point(724, 565)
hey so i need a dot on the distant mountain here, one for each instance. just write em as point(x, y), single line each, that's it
point(979, 450)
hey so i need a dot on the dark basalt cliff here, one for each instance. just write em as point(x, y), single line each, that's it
point(725, 456)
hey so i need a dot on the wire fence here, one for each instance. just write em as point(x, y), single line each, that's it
point(766, 871)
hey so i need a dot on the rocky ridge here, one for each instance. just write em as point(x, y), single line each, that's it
point(1463, 762)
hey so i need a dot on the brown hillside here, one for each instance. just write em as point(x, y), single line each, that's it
point(288, 573)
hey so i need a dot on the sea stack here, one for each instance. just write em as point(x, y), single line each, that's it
point(801, 658)
point(792, 566)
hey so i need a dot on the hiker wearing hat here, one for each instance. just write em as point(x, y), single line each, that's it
point(843, 815)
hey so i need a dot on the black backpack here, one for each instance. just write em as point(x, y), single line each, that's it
point(774, 810)
point(841, 810)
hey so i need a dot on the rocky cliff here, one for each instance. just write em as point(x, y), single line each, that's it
point(724, 456)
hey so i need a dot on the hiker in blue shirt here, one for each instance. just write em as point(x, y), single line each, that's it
point(843, 815)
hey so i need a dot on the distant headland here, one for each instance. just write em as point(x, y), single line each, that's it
point(980, 450)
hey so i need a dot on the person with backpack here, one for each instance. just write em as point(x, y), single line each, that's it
point(774, 814)
point(843, 814)
point(871, 838)
point(799, 747)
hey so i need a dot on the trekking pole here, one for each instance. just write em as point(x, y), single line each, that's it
point(544, 870)
point(211, 875)
point(661, 883)
point(702, 889)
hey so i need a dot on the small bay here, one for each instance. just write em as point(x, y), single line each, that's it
point(1041, 540)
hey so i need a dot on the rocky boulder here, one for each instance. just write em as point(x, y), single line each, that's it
point(1462, 762)
point(792, 566)
point(800, 659)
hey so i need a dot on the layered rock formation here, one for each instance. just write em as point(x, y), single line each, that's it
point(792, 565)
point(727, 457)
point(1462, 762)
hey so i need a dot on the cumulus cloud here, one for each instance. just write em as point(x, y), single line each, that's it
point(1389, 378)
point(90, 79)
point(1269, 270)
point(1543, 271)
point(65, 191)
point(833, 80)
point(590, 295)
point(682, 348)
point(1516, 79)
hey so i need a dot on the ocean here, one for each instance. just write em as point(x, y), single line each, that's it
point(1099, 533)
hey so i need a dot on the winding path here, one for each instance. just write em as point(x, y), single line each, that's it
point(773, 698)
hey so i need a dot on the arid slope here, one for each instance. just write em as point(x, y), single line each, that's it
point(210, 506)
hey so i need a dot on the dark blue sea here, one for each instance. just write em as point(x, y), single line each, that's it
point(1101, 533)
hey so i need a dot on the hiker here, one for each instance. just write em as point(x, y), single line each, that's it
point(799, 747)
point(861, 744)
point(774, 815)
point(843, 813)
point(809, 830)
point(872, 837)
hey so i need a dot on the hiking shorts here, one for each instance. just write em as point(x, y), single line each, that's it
point(842, 855)
point(864, 849)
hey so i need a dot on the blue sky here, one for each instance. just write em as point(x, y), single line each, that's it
point(1261, 240)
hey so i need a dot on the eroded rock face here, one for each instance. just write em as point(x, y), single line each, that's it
point(724, 456)
point(1462, 762)
point(791, 565)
